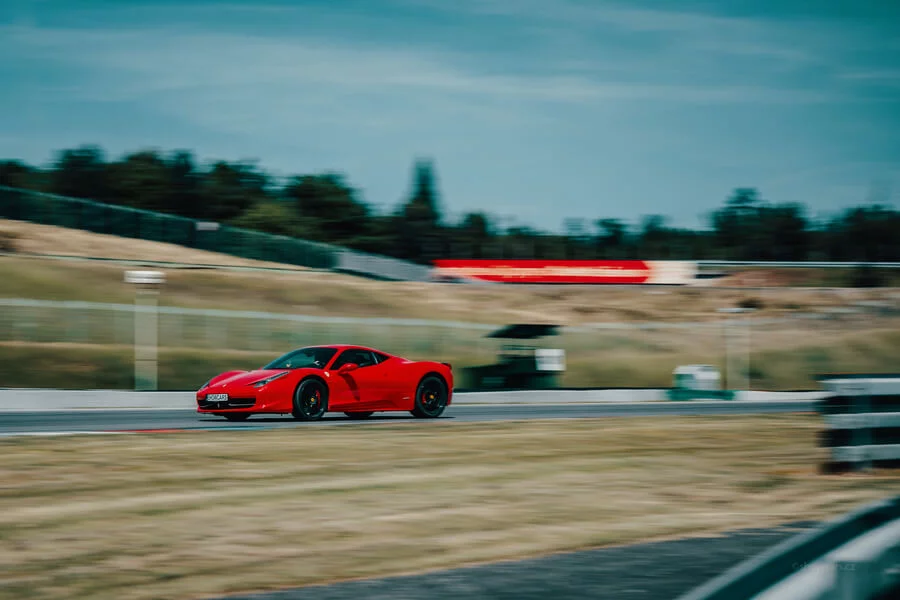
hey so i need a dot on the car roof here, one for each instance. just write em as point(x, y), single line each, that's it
point(346, 347)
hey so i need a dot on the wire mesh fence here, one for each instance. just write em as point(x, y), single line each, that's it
point(92, 342)
point(113, 324)
point(76, 213)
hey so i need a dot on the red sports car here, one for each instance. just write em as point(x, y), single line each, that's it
point(311, 381)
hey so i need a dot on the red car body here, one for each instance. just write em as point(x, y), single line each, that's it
point(355, 380)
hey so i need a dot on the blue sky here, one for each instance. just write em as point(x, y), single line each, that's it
point(535, 110)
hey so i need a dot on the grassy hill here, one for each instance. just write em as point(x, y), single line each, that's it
point(783, 357)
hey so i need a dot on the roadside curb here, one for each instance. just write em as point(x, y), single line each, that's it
point(49, 400)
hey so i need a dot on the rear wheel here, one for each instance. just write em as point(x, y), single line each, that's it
point(310, 400)
point(431, 398)
point(360, 415)
point(236, 416)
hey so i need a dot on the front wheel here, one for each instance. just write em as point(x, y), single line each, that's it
point(310, 400)
point(431, 398)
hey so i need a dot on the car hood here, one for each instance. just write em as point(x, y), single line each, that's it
point(248, 377)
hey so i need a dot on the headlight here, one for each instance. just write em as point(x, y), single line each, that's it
point(207, 383)
point(262, 382)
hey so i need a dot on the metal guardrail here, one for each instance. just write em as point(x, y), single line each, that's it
point(856, 557)
point(382, 267)
point(797, 264)
point(862, 418)
point(868, 566)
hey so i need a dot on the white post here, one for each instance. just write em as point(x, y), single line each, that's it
point(747, 377)
point(146, 331)
point(726, 333)
point(733, 379)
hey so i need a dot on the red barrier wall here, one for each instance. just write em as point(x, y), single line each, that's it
point(569, 271)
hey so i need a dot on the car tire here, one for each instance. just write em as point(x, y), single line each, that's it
point(236, 416)
point(360, 415)
point(431, 398)
point(310, 400)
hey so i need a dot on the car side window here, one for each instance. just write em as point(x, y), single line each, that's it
point(380, 358)
point(363, 358)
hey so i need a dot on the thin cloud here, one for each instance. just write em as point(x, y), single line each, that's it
point(891, 76)
point(519, 101)
point(148, 61)
point(809, 41)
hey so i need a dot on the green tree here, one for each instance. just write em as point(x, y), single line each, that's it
point(17, 174)
point(185, 193)
point(229, 189)
point(141, 180)
point(747, 228)
point(611, 240)
point(865, 233)
point(655, 238)
point(420, 236)
point(328, 208)
point(423, 206)
point(81, 173)
point(735, 225)
point(473, 235)
point(278, 218)
point(784, 233)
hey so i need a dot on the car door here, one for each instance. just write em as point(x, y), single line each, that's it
point(391, 376)
point(358, 388)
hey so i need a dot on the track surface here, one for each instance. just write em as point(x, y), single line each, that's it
point(18, 423)
point(651, 571)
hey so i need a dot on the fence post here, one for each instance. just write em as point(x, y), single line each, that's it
point(732, 372)
point(146, 331)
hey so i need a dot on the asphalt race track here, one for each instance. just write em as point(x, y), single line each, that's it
point(648, 571)
point(101, 420)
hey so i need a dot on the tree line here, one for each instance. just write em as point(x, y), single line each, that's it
point(324, 207)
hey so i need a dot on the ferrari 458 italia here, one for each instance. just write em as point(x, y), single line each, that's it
point(309, 382)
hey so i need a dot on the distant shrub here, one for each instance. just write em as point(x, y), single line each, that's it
point(867, 276)
point(8, 241)
point(751, 303)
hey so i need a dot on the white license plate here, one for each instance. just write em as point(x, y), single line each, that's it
point(217, 398)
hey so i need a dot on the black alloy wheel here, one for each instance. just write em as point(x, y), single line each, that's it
point(431, 397)
point(310, 400)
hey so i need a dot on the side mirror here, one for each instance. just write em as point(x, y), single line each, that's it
point(346, 368)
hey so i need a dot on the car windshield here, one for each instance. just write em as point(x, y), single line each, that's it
point(304, 358)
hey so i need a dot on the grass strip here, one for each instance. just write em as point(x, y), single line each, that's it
point(200, 514)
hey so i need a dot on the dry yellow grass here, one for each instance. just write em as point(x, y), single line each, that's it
point(330, 294)
point(194, 515)
point(321, 293)
point(784, 357)
point(34, 238)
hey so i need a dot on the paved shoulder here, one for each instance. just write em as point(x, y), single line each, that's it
point(651, 571)
point(22, 422)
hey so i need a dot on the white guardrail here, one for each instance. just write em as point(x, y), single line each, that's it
point(854, 557)
point(27, 400)
point(859, 570)
point(862, 420)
